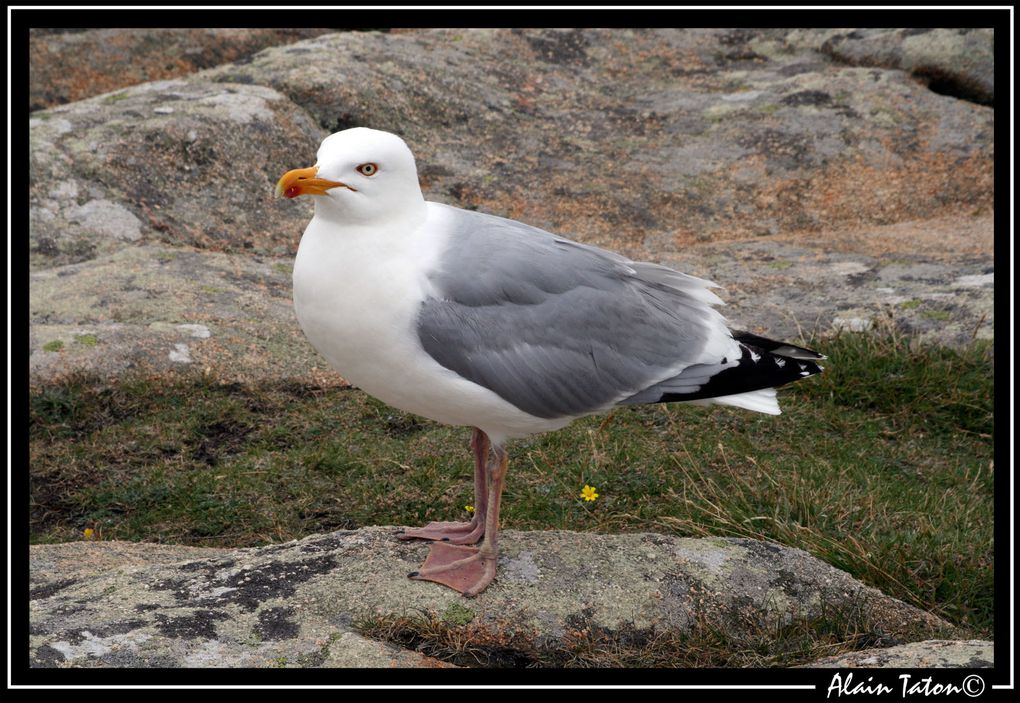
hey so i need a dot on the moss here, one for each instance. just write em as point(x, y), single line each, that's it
point(938, 315)
point(457, 614)
point(910, 304)
point(86, 340)
point(54, 346)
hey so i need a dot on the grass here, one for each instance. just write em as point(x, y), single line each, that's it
point(938, 315)
point(881, 466)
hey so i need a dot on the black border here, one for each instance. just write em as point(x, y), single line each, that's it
point(19, 22)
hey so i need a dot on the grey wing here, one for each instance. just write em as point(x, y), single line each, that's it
point(559, 328)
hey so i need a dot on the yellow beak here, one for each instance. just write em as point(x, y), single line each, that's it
point(302, 181)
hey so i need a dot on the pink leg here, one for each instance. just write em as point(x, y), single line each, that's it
point(463, 532)
point(470, 570)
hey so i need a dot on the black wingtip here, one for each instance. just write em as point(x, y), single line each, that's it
point(756, 369)
point(785, 349)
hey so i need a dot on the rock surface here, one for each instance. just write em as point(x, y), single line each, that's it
point(159, 308)
point(302, 603)
point(65, 66)
point(958, 62)
point(182, 162)
point(822, 196)
point(930, 654)
point(618, 137)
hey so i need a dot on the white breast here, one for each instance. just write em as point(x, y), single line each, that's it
point(357, 294)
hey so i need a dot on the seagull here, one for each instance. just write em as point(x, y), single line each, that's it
point(479, 321)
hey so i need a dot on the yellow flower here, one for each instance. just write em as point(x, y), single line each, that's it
point(588, 493)
point(89, 533)
point(469, 508)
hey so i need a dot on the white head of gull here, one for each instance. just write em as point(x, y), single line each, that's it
point(484, 322)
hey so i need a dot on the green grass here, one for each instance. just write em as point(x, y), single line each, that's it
point(881, 466)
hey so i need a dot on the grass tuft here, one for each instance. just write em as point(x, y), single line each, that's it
point(755, 641)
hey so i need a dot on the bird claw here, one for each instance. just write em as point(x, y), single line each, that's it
point(464, 569)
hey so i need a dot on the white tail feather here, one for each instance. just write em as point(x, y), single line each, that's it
point(762, 401)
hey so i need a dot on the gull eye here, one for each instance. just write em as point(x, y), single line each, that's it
point(367, 169)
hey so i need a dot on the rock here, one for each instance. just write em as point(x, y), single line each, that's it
point(627, 137)
point(158, 309)
point(234, 312)
point(182, 162)
point(311, 602)
point(66, 65)
point(957, 62)
point(645, 141)
point(749, 157)
point(930, 654)
point(932, 278)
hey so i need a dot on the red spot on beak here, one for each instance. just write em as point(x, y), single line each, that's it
point(303, 181)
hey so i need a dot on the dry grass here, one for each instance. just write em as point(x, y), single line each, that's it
point(754, 642)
